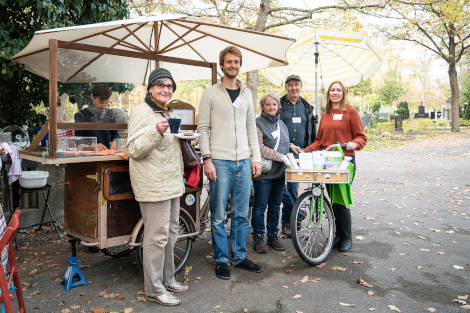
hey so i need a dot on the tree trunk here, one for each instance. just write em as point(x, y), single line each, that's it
point(60, 116)
point(454, 87)
point(252, 82)
point(252, 77)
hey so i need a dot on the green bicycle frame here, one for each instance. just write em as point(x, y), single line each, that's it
point(319, 212)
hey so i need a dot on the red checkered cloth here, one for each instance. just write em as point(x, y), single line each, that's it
point(61, 133)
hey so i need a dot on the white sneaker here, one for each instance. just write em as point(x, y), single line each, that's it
point(177, 287)
point(165, 299)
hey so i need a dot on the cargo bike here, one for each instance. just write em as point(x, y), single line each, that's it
point(312, 218)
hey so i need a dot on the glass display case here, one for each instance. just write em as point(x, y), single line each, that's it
point(76, 145)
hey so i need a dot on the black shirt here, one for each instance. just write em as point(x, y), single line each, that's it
point(233, 93)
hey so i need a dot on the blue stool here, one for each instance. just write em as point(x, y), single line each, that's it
point(73, 271)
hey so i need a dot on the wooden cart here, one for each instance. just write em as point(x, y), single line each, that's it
point(100, 208)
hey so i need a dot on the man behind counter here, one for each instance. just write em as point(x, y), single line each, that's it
point(97, 112)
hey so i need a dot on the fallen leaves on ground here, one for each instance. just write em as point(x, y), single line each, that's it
point(370, 293)
point(141, 299)
point(431, 309)
point(75, 307)
point(85, 302)
point(321, 265)
point(65, 311)
point(394, 308)
point(288, 271)
point(128, 310)
point(364, 283)
point(34, 293)
point(346, 304)
point(337, 268)
point(62, 303)
point(297, 296)
point(466, 306)
point(463, 297)
point(102, 310)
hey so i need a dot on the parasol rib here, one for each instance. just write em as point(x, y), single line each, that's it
point(179, 38)
point(131, 54)
point(119, 41)
point(186, 43)
point(125, 43)
point(138, 38)
point(229, 42)
point(82, 38)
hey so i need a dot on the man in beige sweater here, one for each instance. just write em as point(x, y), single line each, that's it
point(228, 139)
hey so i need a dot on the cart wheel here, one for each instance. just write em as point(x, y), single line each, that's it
point(313, 238)
point(118, 251)
point(182, 246)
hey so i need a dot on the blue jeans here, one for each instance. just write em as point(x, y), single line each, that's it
point(267, 193)
point(289, 196)
point(233, 178)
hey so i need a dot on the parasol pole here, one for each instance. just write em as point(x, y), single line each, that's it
point(316, 86)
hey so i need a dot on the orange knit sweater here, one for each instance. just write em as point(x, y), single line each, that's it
point(349, 128)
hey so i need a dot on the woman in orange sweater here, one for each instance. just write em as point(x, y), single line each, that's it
point(342, 123)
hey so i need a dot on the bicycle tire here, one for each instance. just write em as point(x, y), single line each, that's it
point(181, 250)
point(118, 251)
point(313, 242)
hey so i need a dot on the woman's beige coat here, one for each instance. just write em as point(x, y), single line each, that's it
point(155, 161)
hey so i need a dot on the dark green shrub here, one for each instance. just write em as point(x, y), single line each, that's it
point(403, 109)
point(383, 120)
point(376, 107)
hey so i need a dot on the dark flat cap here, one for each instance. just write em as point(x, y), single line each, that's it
point(291, 77)
point(160, 73)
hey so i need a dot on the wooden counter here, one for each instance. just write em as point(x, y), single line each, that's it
point(37, 157)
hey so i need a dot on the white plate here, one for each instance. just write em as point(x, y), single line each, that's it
point(182, 136)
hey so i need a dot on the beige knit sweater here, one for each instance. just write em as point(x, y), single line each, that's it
point(227, 133)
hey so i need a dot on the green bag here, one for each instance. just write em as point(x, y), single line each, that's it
point(342, 193)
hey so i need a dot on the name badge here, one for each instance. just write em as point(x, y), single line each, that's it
point(337, 117)
point(275, 134)
point(296, 120)
point(237, 103)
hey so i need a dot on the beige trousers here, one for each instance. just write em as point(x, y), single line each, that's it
point(161, 221)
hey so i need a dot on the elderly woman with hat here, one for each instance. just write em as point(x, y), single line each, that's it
point(156, 170)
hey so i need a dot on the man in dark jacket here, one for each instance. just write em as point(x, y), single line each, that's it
point(299, 118)
point(97, 112)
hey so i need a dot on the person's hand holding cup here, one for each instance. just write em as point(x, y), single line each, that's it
point(162, 126)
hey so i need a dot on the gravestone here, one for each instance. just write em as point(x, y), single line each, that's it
point(438, 114)
point(376, 116)
point(421, 113)
point(446, 109)
point(398, 124)
point(366, 120)
point(433, 115)
point(385, 115)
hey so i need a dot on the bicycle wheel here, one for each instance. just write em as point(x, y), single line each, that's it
point(313, 237)
point(118, 251)
point(181, 250)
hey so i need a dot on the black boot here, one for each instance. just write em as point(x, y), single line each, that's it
point(343, 227)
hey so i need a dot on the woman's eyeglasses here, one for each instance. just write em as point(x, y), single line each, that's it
point(162, 86)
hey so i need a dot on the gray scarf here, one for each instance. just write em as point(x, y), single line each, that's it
point(97, 114)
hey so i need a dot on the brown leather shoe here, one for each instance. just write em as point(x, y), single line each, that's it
point(273, 241)
point(259, 246)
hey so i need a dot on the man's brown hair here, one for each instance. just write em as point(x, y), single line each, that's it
point(101, 91)
point(232, 50)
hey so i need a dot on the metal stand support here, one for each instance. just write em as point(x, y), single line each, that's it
point(73, 271)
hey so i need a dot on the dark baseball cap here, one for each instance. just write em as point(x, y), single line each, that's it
point(291, 77)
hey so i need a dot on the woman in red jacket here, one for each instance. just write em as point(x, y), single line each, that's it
point(342, 123)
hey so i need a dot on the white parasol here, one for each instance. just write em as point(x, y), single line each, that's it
point(174, 36)
point(349, 57)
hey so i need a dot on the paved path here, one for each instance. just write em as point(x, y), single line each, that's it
point(412, 215)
